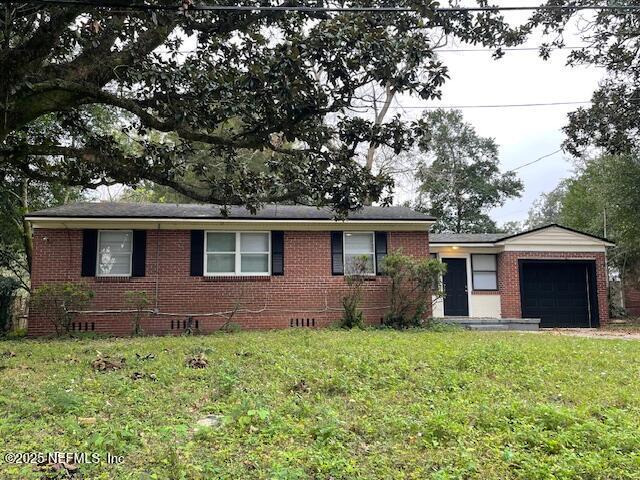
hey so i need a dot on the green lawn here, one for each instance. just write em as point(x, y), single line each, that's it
point(330, 405)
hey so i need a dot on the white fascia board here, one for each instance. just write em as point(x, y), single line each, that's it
point(461, 245)
point(242, 224)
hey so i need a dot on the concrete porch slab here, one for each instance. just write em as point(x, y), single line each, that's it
point(493, 324)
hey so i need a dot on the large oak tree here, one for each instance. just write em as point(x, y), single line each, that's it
point(187, 87)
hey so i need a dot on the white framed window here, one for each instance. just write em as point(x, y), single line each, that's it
point(359, 253)
point(485, 272)
point(237, 253)
point(115, 253)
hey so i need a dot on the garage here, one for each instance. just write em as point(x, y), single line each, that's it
point(560, 293)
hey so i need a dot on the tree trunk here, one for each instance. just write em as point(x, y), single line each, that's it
point(27, 238)
point(379, 118)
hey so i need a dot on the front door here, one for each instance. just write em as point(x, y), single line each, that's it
point(456, 300)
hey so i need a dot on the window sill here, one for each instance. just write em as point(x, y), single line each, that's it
point(364, 278)
point(485, 292)
point(237, 278)
point(113, 279)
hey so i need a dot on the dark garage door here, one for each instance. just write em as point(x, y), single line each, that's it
point(561, 294)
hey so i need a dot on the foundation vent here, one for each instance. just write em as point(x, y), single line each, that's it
point(187, 324)
point(302, 322)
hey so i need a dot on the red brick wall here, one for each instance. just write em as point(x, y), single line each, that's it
point(509, 279)
point(305, 291)
point(632, 300)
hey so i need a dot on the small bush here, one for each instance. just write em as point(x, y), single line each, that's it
point(8, 288)
point(352, 316)
point(415, 283)
point(140, 301)
point(60, 301)
point(16, 334)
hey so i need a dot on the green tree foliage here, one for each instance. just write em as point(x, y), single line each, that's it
point(187, 87)
point(18, 195)
point(548, 208)
point(612, 38)
point(459, 174)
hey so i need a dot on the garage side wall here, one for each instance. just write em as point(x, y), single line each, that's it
point(509, 279)
point(307, 292)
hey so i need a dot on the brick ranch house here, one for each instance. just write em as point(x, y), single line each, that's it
point(285, 266)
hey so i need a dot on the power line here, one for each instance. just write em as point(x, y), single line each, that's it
point(534, 161)
point(326, 9)
point(504, 105)
point(507, 49)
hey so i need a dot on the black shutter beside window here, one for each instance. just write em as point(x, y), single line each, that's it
point(139, 253)
point(277, 253)
point(197, 253)
point(381, 251)
point(337, 263)
point(89, 252)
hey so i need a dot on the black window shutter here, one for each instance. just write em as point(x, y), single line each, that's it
point(277, 253)
point(197, 253)
point(139, 253)
point(89, 252)
point(337, 264)
point(381, 250)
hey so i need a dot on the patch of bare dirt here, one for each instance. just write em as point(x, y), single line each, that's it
point(619, 333)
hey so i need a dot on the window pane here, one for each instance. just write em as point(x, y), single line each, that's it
point(358, 264)
point(254, 263)
point(221, 263)
point(358, 243)
point(254, 242)
point(484, 262)
point(115, 242)
point(113, 264)
point(485, 281)
point(221, 242)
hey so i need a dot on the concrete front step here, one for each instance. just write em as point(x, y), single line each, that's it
point(493, 324)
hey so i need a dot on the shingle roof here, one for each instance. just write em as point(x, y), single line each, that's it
point(204, 211)
point(466, 237)
point(498, 237)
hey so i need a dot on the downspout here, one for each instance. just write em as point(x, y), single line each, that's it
point(156, 309)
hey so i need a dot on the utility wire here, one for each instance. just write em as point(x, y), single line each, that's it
point(534, 161)
point(317, 9)
point(453, 107)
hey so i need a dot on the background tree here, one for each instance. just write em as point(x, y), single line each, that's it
point(18, 195)
point(219, 83)
point(548, 208)
point(459, 174)
point(603, 199)
point(612, 40)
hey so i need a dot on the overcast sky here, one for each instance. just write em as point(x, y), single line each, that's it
point(523, 134)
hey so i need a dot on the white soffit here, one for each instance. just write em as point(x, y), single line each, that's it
point(554, 239)
point(227, 224)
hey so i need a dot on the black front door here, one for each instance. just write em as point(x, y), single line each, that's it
point(456, 300)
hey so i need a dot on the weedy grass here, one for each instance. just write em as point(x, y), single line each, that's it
point(329, 404)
